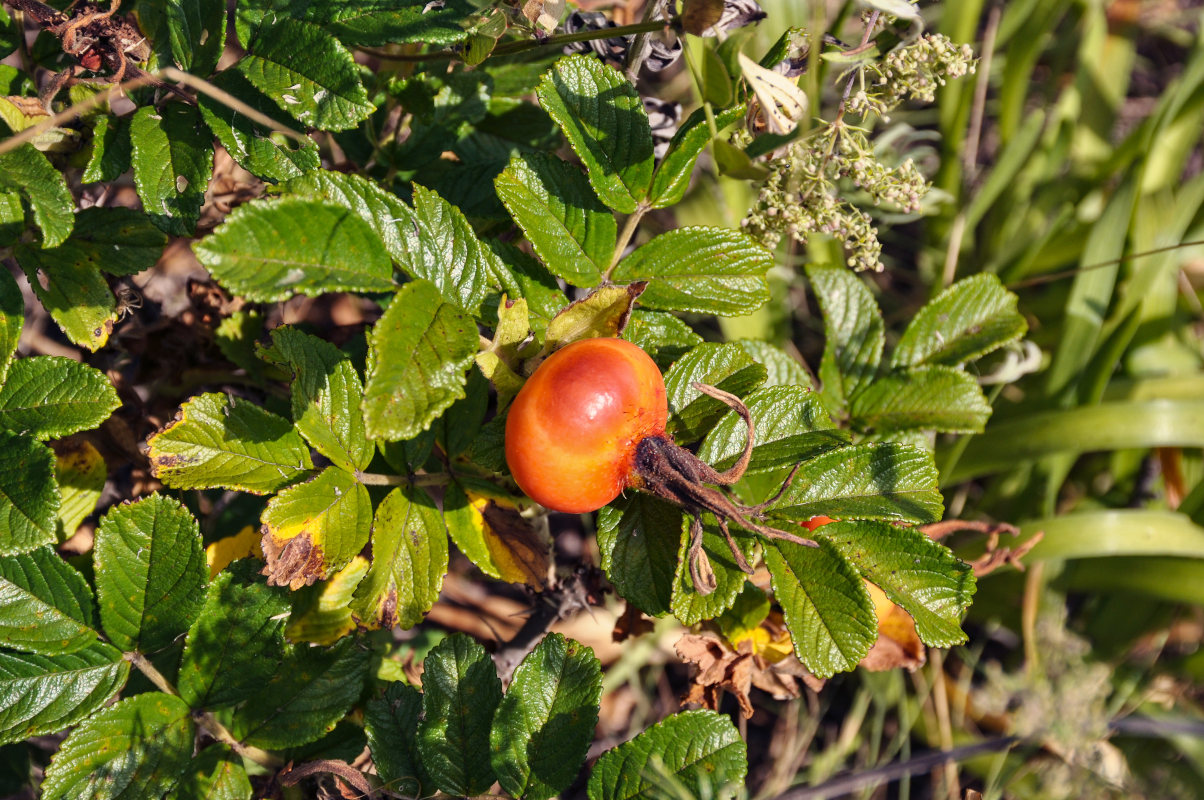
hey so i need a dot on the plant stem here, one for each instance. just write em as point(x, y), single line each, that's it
point(510, 48)
point(380, 479)
point(625, 235)
point(204, 720)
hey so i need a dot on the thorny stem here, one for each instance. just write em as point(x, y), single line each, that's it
point(204, 720)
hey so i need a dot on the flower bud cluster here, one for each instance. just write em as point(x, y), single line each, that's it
point(913, 71)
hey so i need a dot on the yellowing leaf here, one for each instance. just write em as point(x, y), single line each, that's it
point(81, 475)
point(243, 544)
point(898, 643)
point(603, 313)
point(324, 615)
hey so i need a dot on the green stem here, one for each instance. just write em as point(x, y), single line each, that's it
point(625, 236)
point(510, 48)
point(380, 479)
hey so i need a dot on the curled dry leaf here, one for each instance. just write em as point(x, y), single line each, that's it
point(995, 555)
point(519, 551)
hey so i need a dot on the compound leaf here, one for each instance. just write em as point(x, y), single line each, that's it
point(272, 249)
point(219, 440)
point(138, 748)
point(545, 722)
point(691, 754)
point(705, 270)
point(150, 572)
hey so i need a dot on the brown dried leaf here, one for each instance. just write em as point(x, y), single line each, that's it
point(724, 669)
point(520, 552)
point(898, 643)
point(632, 623)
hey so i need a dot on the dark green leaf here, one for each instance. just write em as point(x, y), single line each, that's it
point(691, 754)
point(966, 321)
point(783, 369)
point(706, 270)
point(460, 692)
point(915, 572)
point(691, 606)
point(545, 723)
point(409, 560)
point(312, 529)
point(310, 692)
point(854, 329)
point(374, 23)
point(191, 33)
point(391, 722)
point(726, 366)
point(111, 150)
point(28, 171)
point(52, 396)
point(272, 249)
point(29, 496)
point(46, 694)
point(604, 121)
point(571, 231)
point(308, 73)
point(75, 293)
point(673, 175)
point(150, 572)
point(420, 351)
point(173, 161)
point(137, 748)
point(791, 426)
point(114, 239)
point(638, 536)
point(51, 579)
point(12, 317)
point(932, 398)
point(391, 219)
point(866, 481)
point(235, 644)
point(219, 440)
point(249, 143)
point(326, 396)
point(826, 605)
point(661, 335)
point(216, 774)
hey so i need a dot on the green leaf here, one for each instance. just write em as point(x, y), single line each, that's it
point(137, 748)
point(312, 529)
point(111, 150)
point(74, 292)
point(386, 213)
point(604, 121)
point(783, 369)
point(374, 23)
point(691, 606)
point(460, 692)
point(570, 230)
point(827, 607)
point(173, 161)
point(28, 171)
point(322, 613)
point(219, 440)
point(192, 34)
point(545, 723)
point(235, 644)
point(865, 481)
point(791, 426)
point(600, 313)
point(216, 774)
point(308, 73)
point(409, 560)
point(326, 396)
point(12, 317)
point(81, 473)
point(269, 250)
point(930, 398)
point(854, 329)
point(672, 177)
point(29, 496)
point(391, 722)
point(664, 337)
point(915, 572)
point(52, 396)
point(150, 572)
point(638, 537)
point(52, 580)
point(691, 754)
point(441, 247)
point(310, 692)
point(31, 588)
point(249, 143)
point(725, 366)
point(114, 239)
point(46, 694)
point(420, 352)
point(966, 321)
point(706, 270)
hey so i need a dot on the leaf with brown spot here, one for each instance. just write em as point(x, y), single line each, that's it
point(409, 560)
point(81, 474)
point(314, 528)
point(487, 528)
point(756, 661)
point(322, 613)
